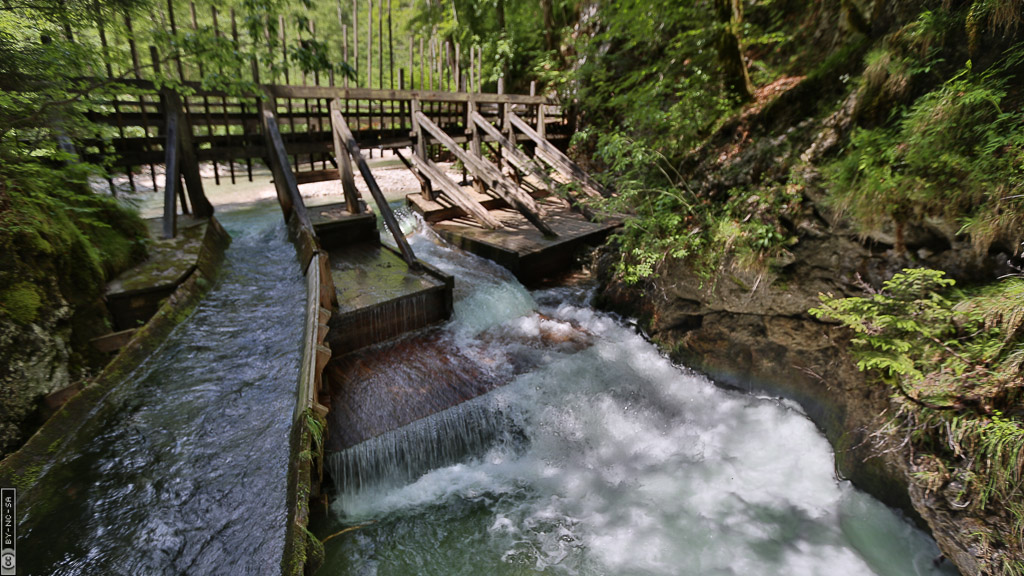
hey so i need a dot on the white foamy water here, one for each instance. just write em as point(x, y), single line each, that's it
point(618, 462)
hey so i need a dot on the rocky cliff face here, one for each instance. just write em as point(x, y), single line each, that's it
point(36, 358)
point(751, 330)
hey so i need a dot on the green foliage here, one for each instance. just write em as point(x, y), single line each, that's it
point(954, 360)
point(956, 153)
point(896, 325)
point(669, 221)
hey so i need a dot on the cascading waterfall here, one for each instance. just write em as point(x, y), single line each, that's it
point(622, 463)
point(400, 456)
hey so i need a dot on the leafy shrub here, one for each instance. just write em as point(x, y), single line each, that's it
point(957, 153)
point(954, 360)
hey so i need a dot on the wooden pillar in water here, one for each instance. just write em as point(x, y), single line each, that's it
point(173, 175)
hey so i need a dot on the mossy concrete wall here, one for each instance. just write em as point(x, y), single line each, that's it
point(22, 468)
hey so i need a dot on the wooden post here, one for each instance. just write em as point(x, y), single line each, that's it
point(421, 63)
point(173, 175)
point(401, 103)
point(419, 146)
point(201, 207)
point(348, 183)
point(474, 142)
point(155, 60)
point(472, 68)
point(541, 122)
point(350, 143)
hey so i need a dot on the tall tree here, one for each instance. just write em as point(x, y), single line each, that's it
point(730, 15)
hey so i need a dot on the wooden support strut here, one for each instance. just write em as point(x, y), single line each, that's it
point(350, 144)
point(348, 182)
point(508, 191)
point(172, 179)
point(473, 208)
point(284, 179)
point(516, 156)
point(556, 159)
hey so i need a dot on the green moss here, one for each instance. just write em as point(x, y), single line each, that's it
point(28, 477)
point(21, 302)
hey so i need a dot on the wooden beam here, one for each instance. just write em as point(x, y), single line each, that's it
point(348, 182)
point(173, 177)
point(201, 206)
point(496, 181)
point(311, 92)
point(473, 208)
point(284, 179)
point(556, 159)
point(349, 141)
point(515, 155)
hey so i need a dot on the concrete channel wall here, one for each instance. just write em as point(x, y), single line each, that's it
point(303, 553)
point(22, 468)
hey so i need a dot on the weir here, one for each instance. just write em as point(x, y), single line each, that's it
point(595, 455)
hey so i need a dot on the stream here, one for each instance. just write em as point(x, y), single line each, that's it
point(599, 456)
point(182, 467)
point(608, 460)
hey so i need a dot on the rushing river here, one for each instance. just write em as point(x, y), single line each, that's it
point(611, 461)
point(182, 469)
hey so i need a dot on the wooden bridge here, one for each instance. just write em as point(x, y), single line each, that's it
point(514, 203)
point(519, 199)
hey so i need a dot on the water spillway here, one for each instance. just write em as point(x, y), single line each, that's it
point(181, 469)
point(600, 457)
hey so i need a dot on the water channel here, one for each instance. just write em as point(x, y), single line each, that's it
point(598, 457)
point(608, 460)
point(181, 469)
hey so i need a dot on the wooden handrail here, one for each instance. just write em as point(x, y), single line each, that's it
point(352, 147)
point(284, 179)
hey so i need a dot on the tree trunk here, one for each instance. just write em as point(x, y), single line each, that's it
point(549, 25)
point(501, 28)
point(730, 57)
